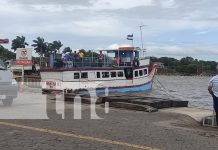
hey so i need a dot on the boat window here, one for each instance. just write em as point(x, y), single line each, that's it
point(136, 73)
point(98, 75)
point(76, 75)
point(84, 75)
point(120, 74)
point(145, 71)
point(140, 72)
point(113, 74)
point(105, 75)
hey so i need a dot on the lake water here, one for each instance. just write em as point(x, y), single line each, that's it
point(190, 88)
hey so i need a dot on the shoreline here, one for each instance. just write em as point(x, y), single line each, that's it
point(184, 75)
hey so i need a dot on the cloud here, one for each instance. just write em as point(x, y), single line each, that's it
point(113, 46)
point(98, 23)
point(182, 50)
point(177, 50)
point(202, 32)
point(52, 2)
point(120, 4)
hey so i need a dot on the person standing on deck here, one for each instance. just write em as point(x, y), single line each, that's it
point(213, 90)
point(100, 59)
point(81, 55)
point(76, 59)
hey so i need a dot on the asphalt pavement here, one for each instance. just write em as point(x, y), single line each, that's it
point(29, 124)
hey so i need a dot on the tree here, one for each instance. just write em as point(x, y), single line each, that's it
point(54, 47)
point(191, 69)
point(6, 54)
point(67, 49)
point(57, 45)
point(187, 60)
point(40, 46)
point(19, 42)
point(170, 63)
point(91, 54)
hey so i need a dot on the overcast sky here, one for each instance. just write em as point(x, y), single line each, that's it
point(174, 28)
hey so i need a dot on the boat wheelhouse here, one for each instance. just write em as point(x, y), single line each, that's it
point(120, 70)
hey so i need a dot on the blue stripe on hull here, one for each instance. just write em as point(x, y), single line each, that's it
point(145, 87)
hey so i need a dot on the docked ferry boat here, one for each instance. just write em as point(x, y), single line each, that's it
point(120, 70)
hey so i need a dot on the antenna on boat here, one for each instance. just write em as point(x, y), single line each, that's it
point(140, 27)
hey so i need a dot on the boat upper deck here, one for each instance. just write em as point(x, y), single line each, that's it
point(96, 64)
point(113, 59)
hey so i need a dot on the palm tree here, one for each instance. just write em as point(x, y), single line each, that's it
point(19, 42)
point(57, 45)
point(40, 46)
point(54, 47)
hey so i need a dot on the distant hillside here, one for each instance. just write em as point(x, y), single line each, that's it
point(5, 54)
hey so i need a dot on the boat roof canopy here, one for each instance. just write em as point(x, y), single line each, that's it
point(121, 49)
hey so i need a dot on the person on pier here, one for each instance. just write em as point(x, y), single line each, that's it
point(213, 90)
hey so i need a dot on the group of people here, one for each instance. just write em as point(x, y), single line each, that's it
point(72, 59)
point(68, 56)
point(69, 60)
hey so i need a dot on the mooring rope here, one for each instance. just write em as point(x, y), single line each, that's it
point(163, 88)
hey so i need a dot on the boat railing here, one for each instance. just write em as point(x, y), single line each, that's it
point(91, 62)
point(88, 62)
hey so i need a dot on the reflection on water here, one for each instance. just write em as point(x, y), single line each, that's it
point(191, 88)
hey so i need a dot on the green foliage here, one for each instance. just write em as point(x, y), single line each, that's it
point(40, 46)
point(186, 60)
point(67, 49)
point(6, 54)
point(44, 48)
point(55, 46)
point(187, 65)
point(19, 42)
point(91, 54)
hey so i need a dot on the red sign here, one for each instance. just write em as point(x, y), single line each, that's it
point(51, 84)
point(23, 62)
point(24, 56)
point(4, 41)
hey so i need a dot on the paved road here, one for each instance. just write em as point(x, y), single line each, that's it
point(120, 130)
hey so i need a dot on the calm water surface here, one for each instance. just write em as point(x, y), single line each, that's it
point(190, 88)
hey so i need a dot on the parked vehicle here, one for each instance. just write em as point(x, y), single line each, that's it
point(8, 86)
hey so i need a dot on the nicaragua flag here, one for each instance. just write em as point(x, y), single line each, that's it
point(130, 37)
